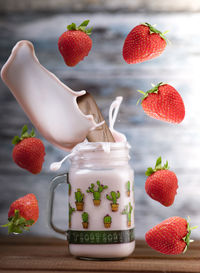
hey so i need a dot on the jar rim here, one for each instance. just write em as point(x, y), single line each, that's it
point(100, 146)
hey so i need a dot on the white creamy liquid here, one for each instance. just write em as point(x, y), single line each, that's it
point(50, 105)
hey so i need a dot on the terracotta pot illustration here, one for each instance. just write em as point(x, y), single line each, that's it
point(79, 206)
point(96, 202)
point(107, 225)
point(85, 224)
point(114, 207)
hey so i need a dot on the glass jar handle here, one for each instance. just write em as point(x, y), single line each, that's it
point(56, 181)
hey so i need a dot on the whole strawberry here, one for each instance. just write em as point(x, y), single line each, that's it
point(172, 236)
point(161, 184)
point(23, 213)
point(28, 152)
point(143, 43)
point(164, 103)
point(75, 43)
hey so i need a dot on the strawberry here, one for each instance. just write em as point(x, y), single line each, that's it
point(28, 152)
point(164, 103)
point(143, 43)
point(75, 44)
point(172, 236)
point(23, 213)
point(161, 184)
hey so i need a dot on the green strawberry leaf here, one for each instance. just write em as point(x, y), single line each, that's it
point(24, 134)
point(16, 140)
point(32, 133)
point(24, 129)
point(158, 161)
point(152, 30)
point(157, 167)
point(72, 26)
point(89, 31)
point(187, 239)
point(85, 23)
point(166, 166)
point(155, 90)
point(81, 27)
point(149, 171)
point(18, 224)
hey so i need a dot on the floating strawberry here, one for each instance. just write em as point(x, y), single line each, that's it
point(23, 213)
point(143, 43)
point(75, 43)
point(29, 151)
point(164, 103)
point(161, 184)
point(171, 236)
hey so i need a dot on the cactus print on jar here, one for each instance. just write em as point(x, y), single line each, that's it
point(85, 219)
point(96, 191)
point(113, 197)
point(128, 210)
point(79, 196)
point(107, 221)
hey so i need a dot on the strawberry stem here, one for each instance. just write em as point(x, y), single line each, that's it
point(18, 224)
point(152, 30)
point(187, 239)
point(81, 27)
point(152, 90)
point(24, 134)
point(158, 167)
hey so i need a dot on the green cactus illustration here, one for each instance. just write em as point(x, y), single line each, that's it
point(79, 196)
point(128, 188)
point(113, 197)
point(107, 221)
point(96, 191)
point(69, 189)
point(127, 210)
point(85, 219)
point(71, 211)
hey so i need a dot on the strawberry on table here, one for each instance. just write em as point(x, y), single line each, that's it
point(163, 102)
point(172, 236)
point(23, 213)
point(161, 184)
point(75, 43)
point(143, 43)
point(28, 152)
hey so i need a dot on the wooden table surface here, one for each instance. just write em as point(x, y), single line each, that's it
point(28, 254)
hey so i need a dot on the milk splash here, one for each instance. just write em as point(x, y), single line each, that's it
point(106, 146)
point(50, 105)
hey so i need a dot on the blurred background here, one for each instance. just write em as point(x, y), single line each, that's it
point(105, 75)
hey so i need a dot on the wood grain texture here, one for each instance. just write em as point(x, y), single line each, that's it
point(51, 255)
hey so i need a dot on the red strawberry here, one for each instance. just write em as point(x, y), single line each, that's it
point(143, 43)
point(164, 103)
point(29, 151)
point(75, 44)
point(161, 184)
point(171, 236)
point(23, 213)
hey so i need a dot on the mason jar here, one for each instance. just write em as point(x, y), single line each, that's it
point(100, 201)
